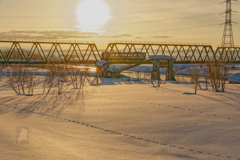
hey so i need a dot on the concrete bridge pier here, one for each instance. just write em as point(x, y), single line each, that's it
point(156, 67)
point(155, 73)
point(102, 68)
point(170, 76)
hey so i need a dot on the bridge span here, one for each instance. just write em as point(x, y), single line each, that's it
point(182, 53)
point(42, 52)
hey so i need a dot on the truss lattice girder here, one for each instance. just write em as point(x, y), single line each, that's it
point(181, 52)
point(55, 49)
point(228, 53)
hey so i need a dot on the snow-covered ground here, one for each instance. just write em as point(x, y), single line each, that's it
point(183, 69)
point(121, 120)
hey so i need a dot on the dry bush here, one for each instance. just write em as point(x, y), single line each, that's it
point(218, 73)
point(32, 81)
point(214, 75)
point(224, 75)
point(147, 75)
point(178, 77)
point(194, 73)
point(206, 74)
point(97, 79)
point(78, 79)
point(62, 80)
point(138, 73)
point(20, 78)
point(83, 80)
point(156, 78)
point(56, 76)
point(129, 76)
point(50, 79)
point(88, 78)
point(74, 77)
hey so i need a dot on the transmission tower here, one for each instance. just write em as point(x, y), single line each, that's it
point(227, 40)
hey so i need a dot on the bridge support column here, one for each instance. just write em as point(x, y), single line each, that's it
point(102, 68)
point(155, 73)
point(170, 73)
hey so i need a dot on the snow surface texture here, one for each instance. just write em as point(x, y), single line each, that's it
point(234, 78)
point(122, 120)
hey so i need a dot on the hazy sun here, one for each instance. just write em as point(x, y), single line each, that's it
point(93, 13)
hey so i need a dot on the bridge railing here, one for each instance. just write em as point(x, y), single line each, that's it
point(149, 42)
point(22, 40)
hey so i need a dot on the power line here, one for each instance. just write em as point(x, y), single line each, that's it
point(176, 29)
point(164, 20)
point(169, 9)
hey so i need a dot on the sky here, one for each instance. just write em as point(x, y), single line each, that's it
point(104, 21)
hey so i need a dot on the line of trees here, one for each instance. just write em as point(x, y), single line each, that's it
point(23, 80)
point(214, 71)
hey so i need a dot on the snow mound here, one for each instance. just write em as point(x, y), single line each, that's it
point(162, 57)
point(101, 63)
point(234, 78)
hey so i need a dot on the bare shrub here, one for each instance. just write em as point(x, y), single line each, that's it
point(147, 75)
point(194, 73)
point(138, 73)
point(88, 78)
point(218, 73)
point(177, 76)
point(74, 77)
point(129, 76)
point(214, 75)
point(32, 80)
point(205, 69)
point(156, 78)
point(62, 80)
point(224, 75)
point(96, 80)
point(83, 80)
point(16, 77)
point(12, 81)
point(50, 79)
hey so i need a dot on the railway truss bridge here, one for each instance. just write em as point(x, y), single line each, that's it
point(182, 53)
point(42, 52)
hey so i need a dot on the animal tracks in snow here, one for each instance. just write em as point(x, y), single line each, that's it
point(122, 134)
point(155, 105)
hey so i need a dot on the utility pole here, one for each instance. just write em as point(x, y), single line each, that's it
point(227, 40)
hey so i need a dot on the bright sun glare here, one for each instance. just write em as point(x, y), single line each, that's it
point(93, 13)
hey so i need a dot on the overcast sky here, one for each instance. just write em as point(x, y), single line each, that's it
point(191, 21)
